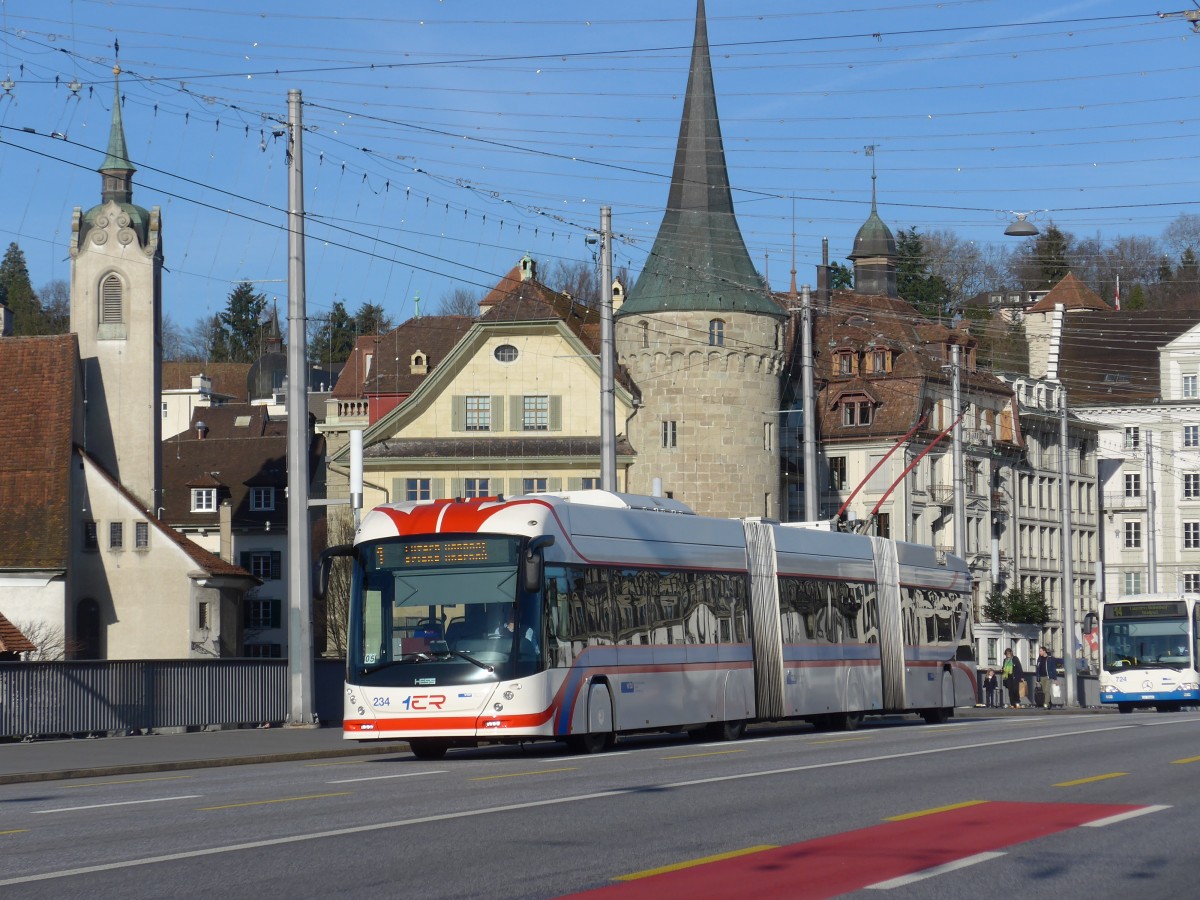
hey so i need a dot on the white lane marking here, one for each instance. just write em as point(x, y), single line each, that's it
point(532, 804)
point(381, 777)
point(1121, 817)
point(913, 877)
point(40, 812)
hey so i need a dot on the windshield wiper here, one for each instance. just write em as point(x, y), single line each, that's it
point(441, 648)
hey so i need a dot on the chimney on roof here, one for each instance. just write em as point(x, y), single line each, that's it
point(201, 430)
point(528, 268)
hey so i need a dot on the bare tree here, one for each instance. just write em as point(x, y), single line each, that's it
point(459, 302)
point(56, 306)
point(1180, 236)
point(333, 613)
point(49, 640)
point(965, 267)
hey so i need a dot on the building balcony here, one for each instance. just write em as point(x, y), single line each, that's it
point(347, 413)
point(1123, 503)
point(977, 437)
point(942, 494)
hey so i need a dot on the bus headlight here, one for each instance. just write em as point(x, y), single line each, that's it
point(1189, 686)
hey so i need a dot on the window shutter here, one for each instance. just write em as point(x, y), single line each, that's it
point(514, 487)
point(276, 564)
point(458, 413)
point(497, 412)
point(516, 413)
point(574, 484)
point(458, 487)
point(275, 613)
point(397, 490)
point(554, 484)
point(555, 414)
point(437, 488)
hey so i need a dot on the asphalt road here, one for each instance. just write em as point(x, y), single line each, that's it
point(1039, 806)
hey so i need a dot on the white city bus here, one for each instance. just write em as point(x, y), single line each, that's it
point(1148, 652)
point(583, 615)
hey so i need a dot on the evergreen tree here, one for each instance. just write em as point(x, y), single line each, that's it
point(841, 278)
point(372, 319)
point(914, 282)
point(1137, 299)
point(18, 293)
point(242, 325)
point(334, 338)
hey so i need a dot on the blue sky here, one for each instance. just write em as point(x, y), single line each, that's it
point(446, 139)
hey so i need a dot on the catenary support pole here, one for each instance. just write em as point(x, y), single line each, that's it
point(956, 456)
point(608, 413)
point(301, 708)
point(1071, 697)
point(812, 494)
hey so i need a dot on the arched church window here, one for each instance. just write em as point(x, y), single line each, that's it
point(111, 301)
point(716, 333)
point(645, 335)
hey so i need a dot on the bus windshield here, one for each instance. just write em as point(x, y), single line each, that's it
point(439, 610)
point(1146, 636)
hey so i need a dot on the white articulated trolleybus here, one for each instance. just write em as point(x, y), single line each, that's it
point(1148, 649)
point(583, 615)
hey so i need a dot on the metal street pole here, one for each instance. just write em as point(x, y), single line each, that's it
point(608, 413)
point(301, 709)
point(811, 491)
point(1151, 516)
point(956, 457)
point(1071, 698)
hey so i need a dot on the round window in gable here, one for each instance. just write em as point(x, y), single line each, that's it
point(506, 353)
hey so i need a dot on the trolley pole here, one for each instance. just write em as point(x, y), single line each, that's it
point(301, 708)
point(608, 412)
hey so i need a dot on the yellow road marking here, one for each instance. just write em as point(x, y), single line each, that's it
point(934, 811)
point(675, 867)
point(127, 781)
point(15, 831)
point(710, 753)
point(523, 774)
point(840, 740)
point(265, 802)
point(1091, 779)
point(1182, 762)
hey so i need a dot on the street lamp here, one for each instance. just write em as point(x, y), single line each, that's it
point(1022, 227)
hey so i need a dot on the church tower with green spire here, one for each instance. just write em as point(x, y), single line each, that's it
point(701, 335)
point(116, 310)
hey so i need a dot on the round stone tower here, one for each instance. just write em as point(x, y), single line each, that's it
point(701, 335)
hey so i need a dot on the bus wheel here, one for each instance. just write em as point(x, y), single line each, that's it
point(592, 742)
point(939, 715)
point(428, 748)
point(1124, 707)
point(1166, 707)
point(726, 731)
point(848, 721)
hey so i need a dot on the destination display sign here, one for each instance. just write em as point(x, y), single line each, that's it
point(499, 551)
point(1170, 609)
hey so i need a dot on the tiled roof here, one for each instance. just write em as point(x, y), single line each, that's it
point(11, 639)
point(1072, 294)
point(39, 380)
point(390, 369)
point(866, 322)
point(1113, 357)
point(233, 458)
point(227, 378)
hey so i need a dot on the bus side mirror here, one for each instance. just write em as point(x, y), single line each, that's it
point(324, 563)
point(1090, 621)
point(532, 562)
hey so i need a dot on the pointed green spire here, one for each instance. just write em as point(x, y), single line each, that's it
point(699, 260)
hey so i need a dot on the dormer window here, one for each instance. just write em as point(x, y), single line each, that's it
point(847, 362)
point(418, 364)
point(881, 361)
point(856, 412)
point(204, 499)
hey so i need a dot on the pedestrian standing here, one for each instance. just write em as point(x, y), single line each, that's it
point(1010, 669)
point(1046, 675)
point(991, 689)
